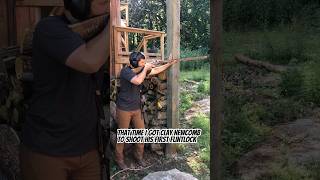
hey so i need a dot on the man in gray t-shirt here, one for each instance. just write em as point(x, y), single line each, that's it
point(128, 103)
point(129, 100)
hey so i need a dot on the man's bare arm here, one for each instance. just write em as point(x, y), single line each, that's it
point(139, 78)
point(89, 57)
point(162, 68)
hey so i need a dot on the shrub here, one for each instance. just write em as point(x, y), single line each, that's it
point(202, 122)
point(283, 110)
point(284, 49)
point(311, 82)
point(185, 101)
point(291, 83)
point(242, 127)
point(204, 87)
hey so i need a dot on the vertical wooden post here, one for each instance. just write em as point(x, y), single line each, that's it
point(115, 20)
point(162, 46)
point(26, 18)
point(216, 117)
point(145, 48)
point(12, 29)
point(127, 14)
point(173, 48)
point(3, 24)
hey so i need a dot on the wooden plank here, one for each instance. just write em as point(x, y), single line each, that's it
point(126, 37)
point(125, 60)
point(127, 15)
point(216, 89)
point(173, 49)
point(162, 46)
point(138, 30)
point(148, 37)
point(26, 18)
point(194, 58)
point(140, 45)
point(115, 20)
point(149, 54)
point(39, 3)
point(3, 24)
point(145, 48)
point(12, 29)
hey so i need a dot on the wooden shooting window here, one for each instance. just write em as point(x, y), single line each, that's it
point(123, 46)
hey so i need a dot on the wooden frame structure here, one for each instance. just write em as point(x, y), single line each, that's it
point(121, 43)
point(120, 39)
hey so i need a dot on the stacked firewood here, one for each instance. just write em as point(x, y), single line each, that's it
point(154, 109)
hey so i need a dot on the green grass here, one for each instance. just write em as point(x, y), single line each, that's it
point(204, 87)
point(201, 121)
point(247, 121)
point(195, 75)
point(186, 100)
point(310, 171)
point(284, 43)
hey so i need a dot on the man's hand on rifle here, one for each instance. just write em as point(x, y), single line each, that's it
point(173, 61)
point(149, 66)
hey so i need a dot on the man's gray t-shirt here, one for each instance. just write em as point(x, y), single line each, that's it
point(129, 95)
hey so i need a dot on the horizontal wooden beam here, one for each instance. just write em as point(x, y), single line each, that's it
point(138, 30)
point(39, 2)
point(148, 54)
point(152, 36)
point(198, 58)
point(125, 60)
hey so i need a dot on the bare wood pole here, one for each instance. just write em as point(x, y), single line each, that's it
point(115, 19)
point(216, 98)
point(173, 48)
point(12, 29)
point(4, 25)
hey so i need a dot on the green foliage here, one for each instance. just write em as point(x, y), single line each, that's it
point(314, 169)
point(291, 83)
point(204, 87)
point(194, 65)
point(281, 49)
point(202, 122)
point(264, 14)
point(196, 75)
point(242, 127)
point(311, 82)
point(238, 15)
point(185, 101)
point(283, 110)
point(194, 22)
point(285, 173)
point(310, 171)
point(303, 83)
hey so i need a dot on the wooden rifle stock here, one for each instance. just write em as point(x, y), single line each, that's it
point(90, 27)
point(138, 69)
